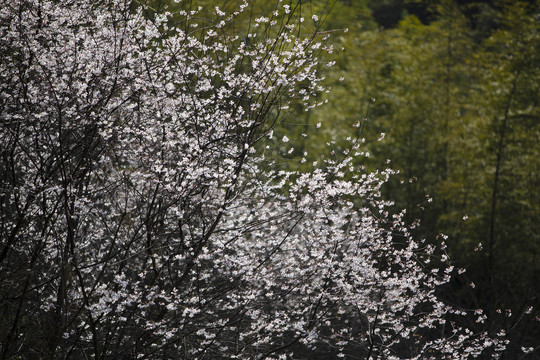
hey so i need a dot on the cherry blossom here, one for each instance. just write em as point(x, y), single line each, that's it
point(140, 216)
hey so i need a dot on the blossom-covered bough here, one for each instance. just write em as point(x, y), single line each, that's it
point(139, 217)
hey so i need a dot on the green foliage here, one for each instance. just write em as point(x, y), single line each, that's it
point(457, 99)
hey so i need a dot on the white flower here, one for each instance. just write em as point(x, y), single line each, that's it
point(219, 12)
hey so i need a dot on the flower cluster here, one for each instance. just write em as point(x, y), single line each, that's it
point(139, 220)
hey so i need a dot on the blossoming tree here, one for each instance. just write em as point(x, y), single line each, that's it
point(141, 217)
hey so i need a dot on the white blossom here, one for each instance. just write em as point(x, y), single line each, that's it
point(144, 218)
